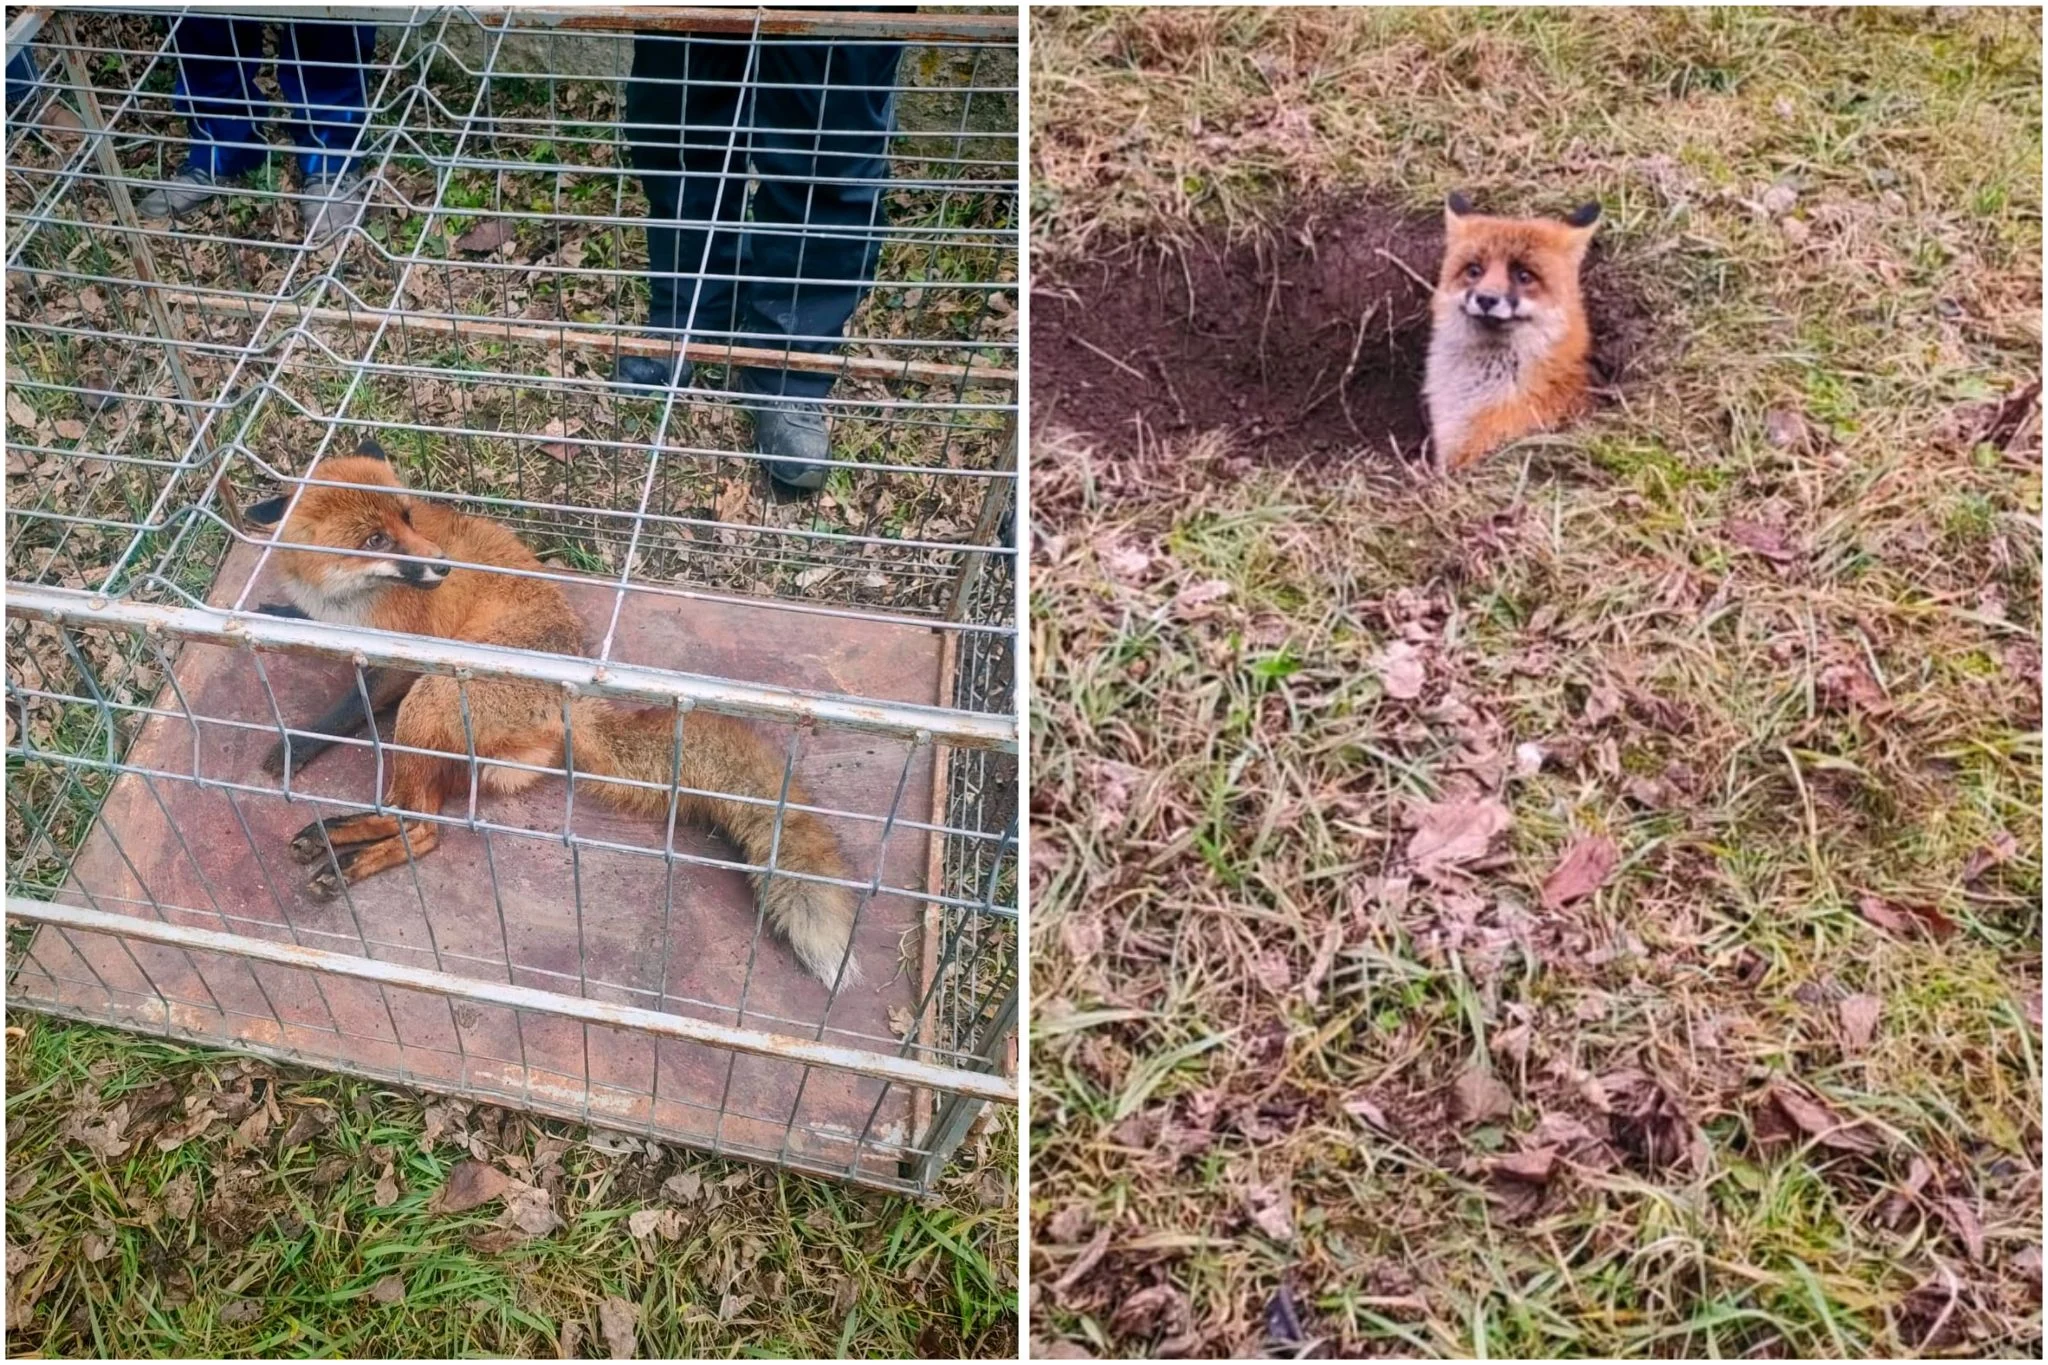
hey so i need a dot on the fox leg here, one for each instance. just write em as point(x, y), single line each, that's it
point(375, 841)
point(344, 718)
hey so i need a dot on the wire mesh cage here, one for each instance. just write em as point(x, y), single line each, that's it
point(689, 806)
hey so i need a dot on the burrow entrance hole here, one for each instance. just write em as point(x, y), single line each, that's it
point(1305, 341)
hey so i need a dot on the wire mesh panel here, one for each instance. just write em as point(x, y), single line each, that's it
point(510, 543)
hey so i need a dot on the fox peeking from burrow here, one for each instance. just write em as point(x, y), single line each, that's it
point(1509, 349)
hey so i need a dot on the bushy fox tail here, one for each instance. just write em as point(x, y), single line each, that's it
point(725, 755)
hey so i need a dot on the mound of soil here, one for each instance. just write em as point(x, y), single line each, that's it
point(1306, 342)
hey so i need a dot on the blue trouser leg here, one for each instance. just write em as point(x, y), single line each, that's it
point(323, 71)
point(22, 80)
point(216, 92)
point(821, 150)
point(680, 116)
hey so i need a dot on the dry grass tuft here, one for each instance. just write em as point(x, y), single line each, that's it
point(1591, 908)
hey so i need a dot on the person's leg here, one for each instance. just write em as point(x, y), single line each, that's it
point(821, 149)
point(681, 104)
point(24, 85)
point(216, 92)
point(323, 70)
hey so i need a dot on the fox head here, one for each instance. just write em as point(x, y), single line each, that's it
point(1505, 276)
point(359, 508)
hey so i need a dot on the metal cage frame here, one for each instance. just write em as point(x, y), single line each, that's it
point(200, 368)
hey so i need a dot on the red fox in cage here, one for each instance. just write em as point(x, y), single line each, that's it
point(413, 573)
point(1509, 348)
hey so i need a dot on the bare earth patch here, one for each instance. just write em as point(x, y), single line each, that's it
point(1304, 340)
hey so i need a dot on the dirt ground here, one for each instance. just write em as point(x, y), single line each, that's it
point(1592, 906)
point(1304, 341)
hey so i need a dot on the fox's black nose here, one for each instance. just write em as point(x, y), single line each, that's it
point(1485, 302)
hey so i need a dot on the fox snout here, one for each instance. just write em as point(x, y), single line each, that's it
point(1494, 309)
point(428, 575)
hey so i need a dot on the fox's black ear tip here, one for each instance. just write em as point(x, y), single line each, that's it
point(266, 513)
point(1585, 215)
point(1458, 203)
point(370, 448)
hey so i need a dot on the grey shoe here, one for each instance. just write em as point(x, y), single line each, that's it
point(330, 205)
point(794, 439)
point(189, 189)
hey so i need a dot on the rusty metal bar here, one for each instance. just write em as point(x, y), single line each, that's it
point(78, 607)
point(902, 26)
point(697, 352)
point(976, 1085)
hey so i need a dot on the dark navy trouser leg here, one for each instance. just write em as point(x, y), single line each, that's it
point(818, 136)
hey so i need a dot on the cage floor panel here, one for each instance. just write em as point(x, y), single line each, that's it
point(521, 907)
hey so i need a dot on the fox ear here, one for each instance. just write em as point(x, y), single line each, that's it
point(370, 448)
point(1585, 215)
point(1457, 206)
point(266, 513)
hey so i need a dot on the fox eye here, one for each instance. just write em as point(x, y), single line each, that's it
point(1474, 270)
point(377, 541)
point(1523, 275)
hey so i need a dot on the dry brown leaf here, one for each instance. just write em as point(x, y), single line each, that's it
point(488, 235)
point(1533, 1167)
point(1198, 600)
point(2002, 849)
point(1271, 1212)
point(1859, 1015)
point(1454, 832)
point(386, 1192)
point(1812, 1116)
point(470, 1184)
point(557, 448)
point(1903, 920)
point(529, 1209)
point(1584, 869)
point(1962, 1220)
point(1401, 671)
point(1761, 538)
point(1479, 1097)
point(619, 1322)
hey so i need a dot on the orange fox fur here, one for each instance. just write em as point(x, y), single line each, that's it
point(1508, 345)
point(431, 591)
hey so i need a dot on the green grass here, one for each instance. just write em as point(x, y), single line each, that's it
point(1242, 992)
point(224, 1248)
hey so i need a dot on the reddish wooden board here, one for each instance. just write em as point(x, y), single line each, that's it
point(522, 907)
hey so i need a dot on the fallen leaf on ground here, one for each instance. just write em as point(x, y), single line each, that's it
point(1962, 1220)
point(529, 1209)
point(1195, 601)
point(619, 1322)
point(1456, 831)
point(1812, 1116)
point(1859, 1020)
point(488, 235)
point(1584, 870)
point(1762, 539)
point(1532, 1167)
point(1904, 919)
point(1479, 1096)
point(2000, 850)
point(1271, 1213)
point(386, 1192)
point(470, 1184)
point(1401, 670)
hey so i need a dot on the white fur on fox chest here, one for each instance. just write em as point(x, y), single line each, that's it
point(1472, 370)
point(342, 600)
